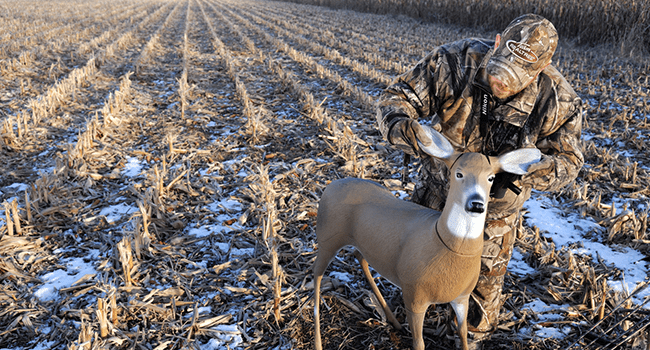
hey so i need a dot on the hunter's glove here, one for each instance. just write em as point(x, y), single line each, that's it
point(404, 135)
point(542, 171)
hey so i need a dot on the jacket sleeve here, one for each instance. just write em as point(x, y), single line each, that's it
point(412, 95)
point(561, 148)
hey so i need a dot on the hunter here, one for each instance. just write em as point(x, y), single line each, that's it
point(490, 97)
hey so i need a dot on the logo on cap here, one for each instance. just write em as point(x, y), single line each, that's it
point(522, 51)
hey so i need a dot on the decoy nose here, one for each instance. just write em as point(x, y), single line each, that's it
point(475, 205)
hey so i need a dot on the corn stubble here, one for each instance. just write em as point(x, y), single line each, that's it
point(263, 104)
point(589, 22)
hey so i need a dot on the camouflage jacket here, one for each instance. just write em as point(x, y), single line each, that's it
point(447, 86)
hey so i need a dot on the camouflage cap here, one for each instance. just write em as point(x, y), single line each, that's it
point(526, 48)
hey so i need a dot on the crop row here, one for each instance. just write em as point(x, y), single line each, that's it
point(595, 22)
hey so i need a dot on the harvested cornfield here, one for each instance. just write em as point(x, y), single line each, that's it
point(162, 160)
point(588, 22)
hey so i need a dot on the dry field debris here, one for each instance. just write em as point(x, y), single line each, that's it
point(161, 163)
point(593, 22)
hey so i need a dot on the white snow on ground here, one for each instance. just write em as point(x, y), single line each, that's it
point(566, 227)
point(517, 264)
point(75, 269)
point(224, 205)
point(226, 337)
point(545, 313)
point(17, 187)
point(206, 230)
point(133, 167)
point(41, 346)
point(227, 204)
point(341, 276)
point(117, 212)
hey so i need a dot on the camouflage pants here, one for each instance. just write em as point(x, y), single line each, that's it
point(487, 299)
point(499, 234)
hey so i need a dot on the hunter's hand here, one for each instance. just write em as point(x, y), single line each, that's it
point(405, 135)
point(538, 171)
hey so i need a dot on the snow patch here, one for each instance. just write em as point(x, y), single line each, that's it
point(75, 269)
